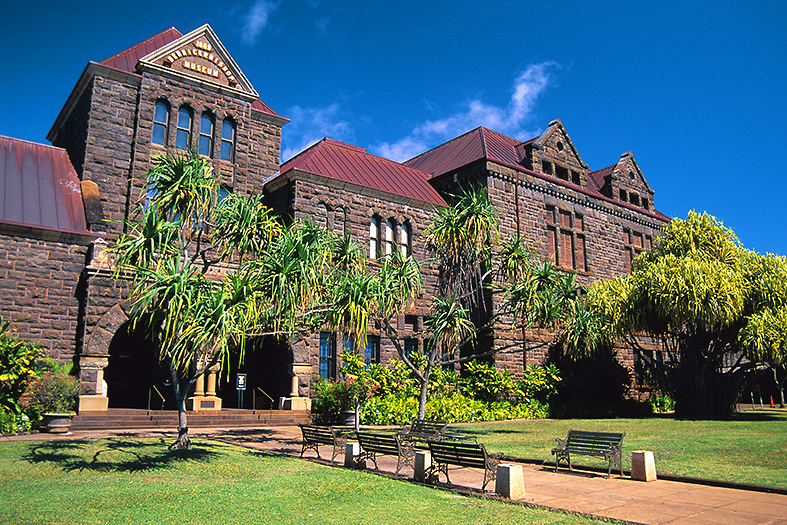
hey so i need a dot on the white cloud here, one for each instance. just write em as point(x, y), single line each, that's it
point(257, 19)
point(308, 125)
point(510, 120)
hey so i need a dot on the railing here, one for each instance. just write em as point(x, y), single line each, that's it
point(150, 395)
point(254, 400)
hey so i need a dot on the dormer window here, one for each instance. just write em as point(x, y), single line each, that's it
point(623, 196)
point(634, 199)
point(561, 172)
point(645, 203)
point(546, 167)
point(575, 178)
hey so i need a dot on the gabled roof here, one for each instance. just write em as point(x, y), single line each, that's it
point(40, 189)
point(127, 60)
point(353, 165)
point(482, 144)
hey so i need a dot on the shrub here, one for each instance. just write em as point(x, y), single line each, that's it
point(17, 367)
point(52, 391)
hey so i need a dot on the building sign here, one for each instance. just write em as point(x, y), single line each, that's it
point(191, 57)
point(240, 382)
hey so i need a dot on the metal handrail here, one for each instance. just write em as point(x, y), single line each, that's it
point(254, 400)
point(150, 394)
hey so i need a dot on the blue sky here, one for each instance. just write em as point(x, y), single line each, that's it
point(696, 90)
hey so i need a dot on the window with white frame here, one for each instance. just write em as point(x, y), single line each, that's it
point(206, 135)
point(160, 123)
point(183, 134)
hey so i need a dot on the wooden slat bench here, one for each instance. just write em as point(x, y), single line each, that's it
point(605, 445)
point(424, 430)
point(374, 443)
point(314, 436)
point(461, 454)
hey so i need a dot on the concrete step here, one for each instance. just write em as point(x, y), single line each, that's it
point(131, 418)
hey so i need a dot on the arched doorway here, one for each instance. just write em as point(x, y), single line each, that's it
point(267, 366)
point(135, 377)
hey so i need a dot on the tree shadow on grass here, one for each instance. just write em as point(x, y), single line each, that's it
point(115, 455)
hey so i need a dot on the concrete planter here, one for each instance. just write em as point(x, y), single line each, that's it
point(56, 423)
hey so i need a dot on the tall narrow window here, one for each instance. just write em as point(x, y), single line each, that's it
point(404, 239)
point(410, 347)
point(389, 236)
point(374, 233)
point(227, 139)
point(184, 129)
point(372, 353)
point(566, 239)
point(160, 123)
point(206, 135)
point(327, 355)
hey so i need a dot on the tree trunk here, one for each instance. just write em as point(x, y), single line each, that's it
point(701, 391)
point(181, 393)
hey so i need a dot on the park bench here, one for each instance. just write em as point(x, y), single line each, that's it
point(424, 430)
point(314, 436)
point(374, 443)
point(605, 445)
point(461, 454)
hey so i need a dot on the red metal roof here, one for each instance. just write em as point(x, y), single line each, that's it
point(39, 187)
point(127, 60)
point(352, 164)
point(485, 144)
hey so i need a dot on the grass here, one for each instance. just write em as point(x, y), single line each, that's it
point(750, 447)
point(139, 481)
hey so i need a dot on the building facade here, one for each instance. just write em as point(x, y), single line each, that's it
point(179, 91)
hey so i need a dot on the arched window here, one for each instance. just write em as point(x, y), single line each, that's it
point(184, 128)
point(227, 139)
point(404, 239)
point(206, 135)
point(374, 236)
point(160, 123)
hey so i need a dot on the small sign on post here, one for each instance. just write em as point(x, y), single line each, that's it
point(240, 386)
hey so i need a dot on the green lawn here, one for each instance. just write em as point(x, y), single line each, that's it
point(750, 447)
point(139, 481)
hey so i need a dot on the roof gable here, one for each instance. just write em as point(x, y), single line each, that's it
point(200, 55)
point(353, 165)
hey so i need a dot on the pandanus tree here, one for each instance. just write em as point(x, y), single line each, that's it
point(273, 278)
point(717, 310)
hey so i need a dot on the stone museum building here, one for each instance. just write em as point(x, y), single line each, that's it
point(63, 204)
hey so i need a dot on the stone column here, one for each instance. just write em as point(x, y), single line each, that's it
point(202, 400)
point(295, 401)
point(92, 387)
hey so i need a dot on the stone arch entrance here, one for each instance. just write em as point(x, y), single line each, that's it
point(268, 368)
point(135, 377)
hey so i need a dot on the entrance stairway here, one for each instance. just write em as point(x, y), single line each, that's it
point(126, 418)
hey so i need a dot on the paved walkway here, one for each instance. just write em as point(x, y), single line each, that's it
point(658, 502)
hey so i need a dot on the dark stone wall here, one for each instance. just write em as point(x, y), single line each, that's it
point(41, 292)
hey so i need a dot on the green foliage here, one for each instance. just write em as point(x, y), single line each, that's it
point(11, 423)
point(708, 300)
point(485, 383)
point(661, 403)
point(483, 394)
point(51, 391)
point(539, 383)
point(17, 367)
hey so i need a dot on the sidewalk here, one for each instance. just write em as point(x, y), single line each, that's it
point(658, 502)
